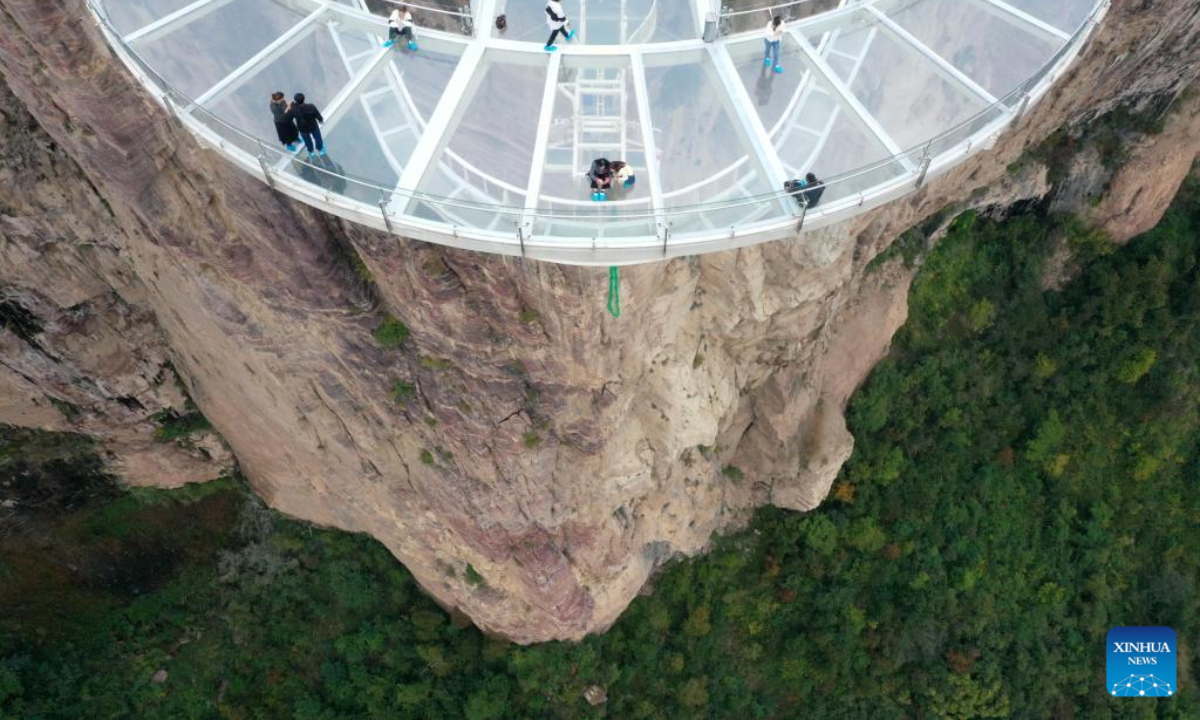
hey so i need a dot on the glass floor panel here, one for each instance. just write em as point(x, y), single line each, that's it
point(1066, 15)
point(986, 48)
point(604, 22)
point(595, 115)
point(803, 116)
point(361, 157)
point(702, 154)
point(894, 82)
point(311, 66)
point(198, 55)
point(400, 101)
point(133, 15)
point(489, 153)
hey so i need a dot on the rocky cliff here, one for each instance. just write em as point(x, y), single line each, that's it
point(528, 458)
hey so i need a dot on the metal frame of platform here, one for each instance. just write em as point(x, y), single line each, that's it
point(394, 209)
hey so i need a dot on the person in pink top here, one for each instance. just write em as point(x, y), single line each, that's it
point(772, 36)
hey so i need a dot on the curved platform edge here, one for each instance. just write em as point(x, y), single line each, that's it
point(604, 251)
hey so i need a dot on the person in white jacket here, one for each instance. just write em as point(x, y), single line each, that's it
point(400, 24)
point(771, 39)
point(556, 18)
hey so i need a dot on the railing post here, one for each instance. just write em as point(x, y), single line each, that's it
point(166, 98)
point(1022, 108)
point(383, 206)
point(926, 160)
point(803, 214)
point(100, 13)
point(666, 235)
point(521, 237)
point(262, 163)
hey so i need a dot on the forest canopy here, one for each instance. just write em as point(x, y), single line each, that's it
point(1024, 478)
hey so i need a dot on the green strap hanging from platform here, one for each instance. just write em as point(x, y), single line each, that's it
point(614, 292)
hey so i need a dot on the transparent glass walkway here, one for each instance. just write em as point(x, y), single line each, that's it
point(481, 139)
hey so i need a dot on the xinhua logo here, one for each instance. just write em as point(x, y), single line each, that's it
point(1141, 662)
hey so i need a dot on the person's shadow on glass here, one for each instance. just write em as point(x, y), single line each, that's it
point(763, 87)
point(324, 173)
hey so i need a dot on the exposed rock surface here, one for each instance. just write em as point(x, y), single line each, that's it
point(550, 457)
point(79, 347)
point(1141, 189)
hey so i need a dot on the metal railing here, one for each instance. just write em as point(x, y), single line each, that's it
point(787, 9)
point(626, 233)
point(464, 16)
point(734, 20)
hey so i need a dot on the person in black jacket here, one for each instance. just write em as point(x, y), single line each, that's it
point(807, 192)
point(813, 190)
point(600, 176)
point(285, 129)
point(308, 121)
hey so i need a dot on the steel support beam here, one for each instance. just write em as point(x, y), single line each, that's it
point(351, 18)
point(848, 98)
point(944, 66)
point(700, 11)
point(344, 100)
point(444, 119)
point(1029, 22)
point(649, 147)
point(741, 106)
point(174, 21)
point(538, 162)
point(234, 80)
point(485, 15)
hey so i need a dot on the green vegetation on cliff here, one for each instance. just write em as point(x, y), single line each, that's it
point(1025, 478)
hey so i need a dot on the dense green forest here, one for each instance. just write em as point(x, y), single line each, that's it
point(1025, 478)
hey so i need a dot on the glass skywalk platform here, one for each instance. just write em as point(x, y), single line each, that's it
point(481, 139)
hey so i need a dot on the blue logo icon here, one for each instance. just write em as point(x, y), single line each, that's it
point(1141, 662)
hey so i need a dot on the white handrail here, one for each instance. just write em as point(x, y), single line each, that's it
point(427, 8)
point(842, 199)
point(770, 9)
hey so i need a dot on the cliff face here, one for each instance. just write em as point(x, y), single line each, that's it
point(80, 348)
point(547, 457)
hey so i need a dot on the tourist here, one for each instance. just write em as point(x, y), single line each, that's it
point(813, 190)
point(400, 24)
point(308, 122)
point(623, 172)
point(556, 18)
point(807, 192)
point(601, 177)
point(285, 127)
point(771, 39)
